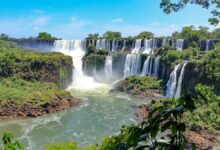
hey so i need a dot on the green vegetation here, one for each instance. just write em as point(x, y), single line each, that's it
point(141, 83)
point(145, 35)
point(22, 92)
point(112, 35)
point(207, 116)
point(174, 6)
point(94, 36)
point(211, 63)
point(168, 116)
point(44, 36)
point(64, 146)
point(10, 144)
point(33, 66)
point(193, 35)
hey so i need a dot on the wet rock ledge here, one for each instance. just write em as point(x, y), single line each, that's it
point(12, 110)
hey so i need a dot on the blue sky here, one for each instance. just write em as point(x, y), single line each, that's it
point(75, 19)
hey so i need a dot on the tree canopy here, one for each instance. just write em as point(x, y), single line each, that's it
point(169, 6)
point(145, 35)
point(44, 36)
point(112, 35)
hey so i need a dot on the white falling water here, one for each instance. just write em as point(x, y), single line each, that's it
point(75, 49)
point(108, 45)
point(146, 67)
point(101, 44)
point(208, 45)
point(114, 45)
point(180, 80)
point(156, 66)
point(151, 66)
point(132, 65)
point(171, 84)
point(137, 47)
point(124, 45)
point(150, 45)
point(178, 44)
point(108, 67)
point(147, 46)
point(174, 85)
point(165, 42)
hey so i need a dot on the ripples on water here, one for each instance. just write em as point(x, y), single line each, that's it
point(100, 114)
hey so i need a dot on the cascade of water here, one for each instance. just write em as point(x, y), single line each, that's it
point(154, 44)
point(151, 66)
point(165, 42)
point(114, 45)
point(147, 46)
point(75, 49)
point(178, 44)
point(171, 84)
point(208, 45)
point(180, 80)
point(156, 66)
point(108, 67)
point(137, 46)
point(132, 65)
point(101, 44)
point(124, 45)
point(108, 45)
point(150, 45)
point(174, 85)
point(145, 70)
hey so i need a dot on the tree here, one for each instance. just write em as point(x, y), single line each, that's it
point(145, 35)
point(4, 36)
point(44, 36)
point(112, 35)
point(216, 33)
point(93, 36)
point(169, 6)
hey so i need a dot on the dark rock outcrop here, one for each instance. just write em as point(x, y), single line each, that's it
point(13, 110)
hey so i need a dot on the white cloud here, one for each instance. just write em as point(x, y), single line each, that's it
point(117, 20)
point(40, 21)
point(37, 11)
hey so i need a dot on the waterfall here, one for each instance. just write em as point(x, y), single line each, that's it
point(150, 45)
point(137, 46)
point(180, 80)
point(171, 84)
point(108, 45)
point(108, 67)
point(132, 65)
point(101, 44)
point(174, 84)
point(145, 70)
point(208, 45)
point(178, 44)
point(151, 66)
point(147, 46)
point(156, 66)
point(124, 45)
point(76, 49)
point(165, 42)
point(114, 45)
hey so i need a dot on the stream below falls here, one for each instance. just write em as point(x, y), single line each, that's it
point(101, 114)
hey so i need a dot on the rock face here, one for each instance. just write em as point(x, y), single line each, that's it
point(141, 87)
point(12, 110)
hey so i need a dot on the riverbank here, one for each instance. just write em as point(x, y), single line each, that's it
point(140, 87)
point(203, 138)
point(20, 98)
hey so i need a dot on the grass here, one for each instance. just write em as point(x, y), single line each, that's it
point(24, 92)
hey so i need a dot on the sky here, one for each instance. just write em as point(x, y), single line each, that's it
point(75, 19)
